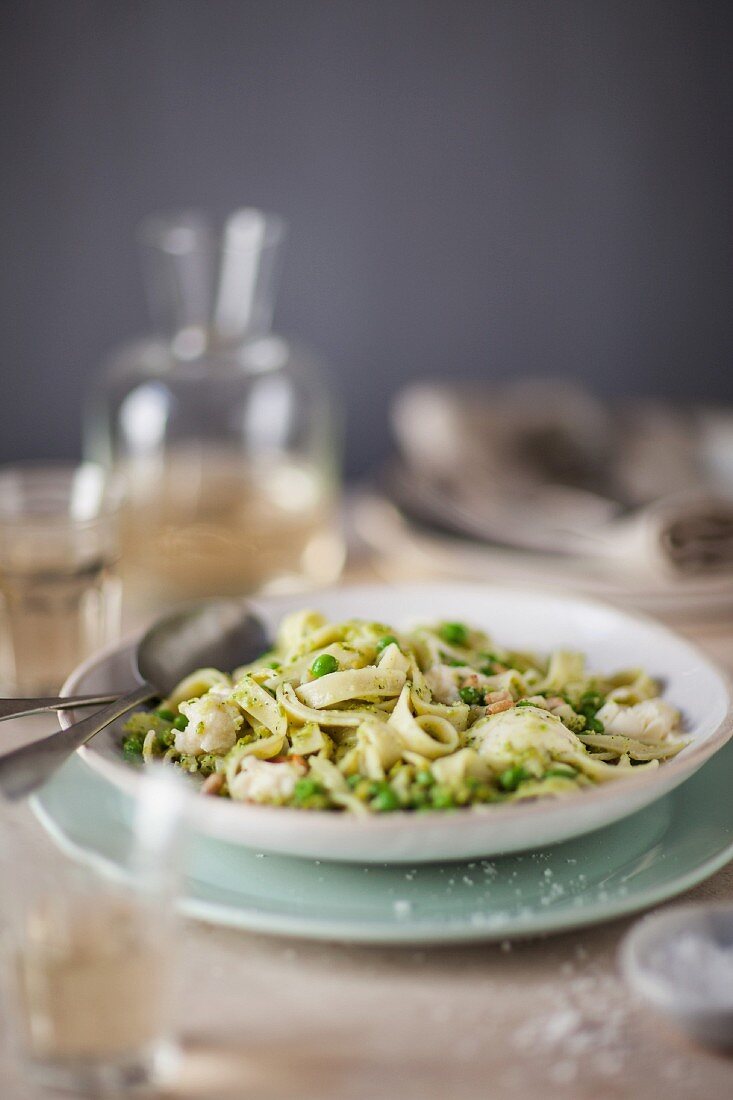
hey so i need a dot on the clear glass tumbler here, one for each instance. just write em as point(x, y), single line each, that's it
point(88, 956)
point(60, 595)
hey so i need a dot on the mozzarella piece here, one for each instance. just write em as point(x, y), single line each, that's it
point(649, 722)
point(526, 735)
point(213, 726)
point(263, 781)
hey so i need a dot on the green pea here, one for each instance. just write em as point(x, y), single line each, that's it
point(166, 740)
point(562, 771)
point(590, 703)
point(388, 639)
point(306, 788)
point(425, 778)
point(180, 722)
point(473, 696)
point(132, 747)
point(442, 798)
point(272, 664)
point(385, 801)
point(324, 665)
point(165, 714)
point(454, 633)
point(510, 779)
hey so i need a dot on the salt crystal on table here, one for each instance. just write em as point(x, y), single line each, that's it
point(561, 1025)
point(562, 1073)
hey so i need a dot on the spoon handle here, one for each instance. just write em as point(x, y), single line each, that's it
point(28, 767)
point(18, 708)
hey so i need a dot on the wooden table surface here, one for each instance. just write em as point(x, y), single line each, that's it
point(279, 1019)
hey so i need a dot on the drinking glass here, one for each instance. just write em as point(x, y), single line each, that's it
point(88, 953)
point(60, 595)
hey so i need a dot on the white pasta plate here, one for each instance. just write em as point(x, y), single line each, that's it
point(519, 619)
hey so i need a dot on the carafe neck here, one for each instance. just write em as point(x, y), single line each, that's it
point(211, 288)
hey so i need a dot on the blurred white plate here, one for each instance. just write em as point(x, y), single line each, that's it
point(403, 549)
point(522, 619)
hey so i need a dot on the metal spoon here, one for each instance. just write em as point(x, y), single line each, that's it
point(212, 633)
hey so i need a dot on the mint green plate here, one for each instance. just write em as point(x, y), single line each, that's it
point(652, 855)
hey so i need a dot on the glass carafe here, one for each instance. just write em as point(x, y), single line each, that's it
point(223, 432)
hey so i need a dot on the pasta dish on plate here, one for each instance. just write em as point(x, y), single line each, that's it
point(362, 717)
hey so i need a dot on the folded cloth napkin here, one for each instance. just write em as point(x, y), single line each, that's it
point(544, 466)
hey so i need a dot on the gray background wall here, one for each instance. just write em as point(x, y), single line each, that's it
point(481, 189)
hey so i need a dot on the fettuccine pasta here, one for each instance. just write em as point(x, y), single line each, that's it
point(360, 717)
